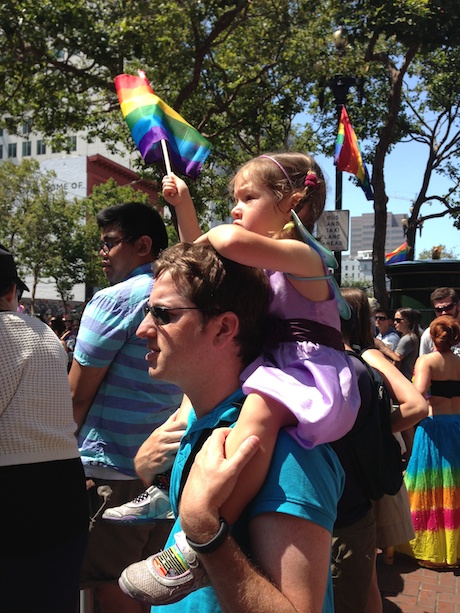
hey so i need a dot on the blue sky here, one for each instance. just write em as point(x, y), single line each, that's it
point(403, 175)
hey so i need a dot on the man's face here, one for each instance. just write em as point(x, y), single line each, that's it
point(382, 322)
point(119, 257)
point(446, 307)
point(177, 349)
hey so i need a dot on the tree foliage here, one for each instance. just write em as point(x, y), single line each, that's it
point(53, 237)
point(243, 73)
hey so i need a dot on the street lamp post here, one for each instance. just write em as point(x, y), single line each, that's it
point(340, 86)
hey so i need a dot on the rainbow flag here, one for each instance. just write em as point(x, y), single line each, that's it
point(347, 155)
point(150, 121)
point(398, 255)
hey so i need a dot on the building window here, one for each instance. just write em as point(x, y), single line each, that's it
point(26, 148)
point(26, 128)
point(12, 150)
point(1, 152)
point(72, 143)
point(41, 147)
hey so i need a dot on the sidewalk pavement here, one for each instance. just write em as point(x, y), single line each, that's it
point(408, 588)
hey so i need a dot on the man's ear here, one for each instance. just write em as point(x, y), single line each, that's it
point(228, 326)
point(144, 245)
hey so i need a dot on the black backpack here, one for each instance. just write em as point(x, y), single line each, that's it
point(375, 453)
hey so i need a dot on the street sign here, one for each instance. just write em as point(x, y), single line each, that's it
point(332, 229)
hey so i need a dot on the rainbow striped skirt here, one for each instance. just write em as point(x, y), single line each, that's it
point(433, 483)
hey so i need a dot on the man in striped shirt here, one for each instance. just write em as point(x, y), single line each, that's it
point(116, 404)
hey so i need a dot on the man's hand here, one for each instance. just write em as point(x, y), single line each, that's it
point(211, 481)
point(157, 453)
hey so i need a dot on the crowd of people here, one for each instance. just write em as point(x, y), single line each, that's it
point(196, 417)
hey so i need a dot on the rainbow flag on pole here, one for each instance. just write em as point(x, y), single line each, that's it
point(150, 121)
point(398, 255)
point(347, 155)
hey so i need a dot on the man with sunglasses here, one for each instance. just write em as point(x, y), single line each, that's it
point(203, 325)
point(444, 301)
point(386, 333)
point(116, 404)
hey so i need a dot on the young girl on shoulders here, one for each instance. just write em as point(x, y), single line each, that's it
point(304, 380)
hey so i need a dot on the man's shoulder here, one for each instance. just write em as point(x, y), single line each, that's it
point(306, 483)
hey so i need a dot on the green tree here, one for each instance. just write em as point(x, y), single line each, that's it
point(438, 252)
point(241, 72)
point(40, 225)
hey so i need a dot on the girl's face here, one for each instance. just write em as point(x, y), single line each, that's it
point(256, 208)
point(401, 324)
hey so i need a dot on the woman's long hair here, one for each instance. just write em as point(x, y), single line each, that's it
point(358, 329)
point(412, 318)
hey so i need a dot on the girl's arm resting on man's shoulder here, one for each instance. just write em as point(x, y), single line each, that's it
point(287, 255)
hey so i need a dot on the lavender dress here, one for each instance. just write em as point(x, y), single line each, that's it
point(315, 382)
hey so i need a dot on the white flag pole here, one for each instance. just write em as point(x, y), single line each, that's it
point(166, 156)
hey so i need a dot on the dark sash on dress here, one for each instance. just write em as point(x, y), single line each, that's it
point(291, 330)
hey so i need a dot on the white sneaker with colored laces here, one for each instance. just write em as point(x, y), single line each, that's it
point(150, 507)
point(165, 577)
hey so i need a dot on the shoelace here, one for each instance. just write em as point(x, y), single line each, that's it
point(141, 497)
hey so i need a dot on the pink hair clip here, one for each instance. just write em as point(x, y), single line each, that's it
point(311, 180)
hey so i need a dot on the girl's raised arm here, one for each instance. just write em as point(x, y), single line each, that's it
point(177, 194)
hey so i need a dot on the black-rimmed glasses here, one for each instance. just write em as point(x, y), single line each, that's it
point(107, 246)
point(161, 314)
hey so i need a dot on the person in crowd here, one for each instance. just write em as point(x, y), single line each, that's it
point(444, 301)
point(358, 529)
point(406, 352)
point(45, 530)
point(203, 327)
point(116, 404)
point(384, 324)
point(433, 473)
point(404, 356)
point(304, 380)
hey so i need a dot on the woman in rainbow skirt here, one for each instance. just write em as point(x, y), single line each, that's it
point(433, 473)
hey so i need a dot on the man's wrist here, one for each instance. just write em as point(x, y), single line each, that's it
point(213, 543)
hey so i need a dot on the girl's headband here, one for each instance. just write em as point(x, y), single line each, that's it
point(280, 167)
point(311, 180)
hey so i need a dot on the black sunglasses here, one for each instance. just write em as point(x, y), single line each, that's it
point(398, 320)
point(161, 314)
point(446, 307)
point(380, 318)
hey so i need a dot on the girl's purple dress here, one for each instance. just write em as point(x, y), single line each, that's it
point(315, 382)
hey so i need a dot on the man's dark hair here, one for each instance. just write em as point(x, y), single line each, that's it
point(388, 314)
point(216, 285)
point(443, 293)
point(135, 220)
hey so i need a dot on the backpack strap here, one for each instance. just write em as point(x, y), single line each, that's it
point(205, 434)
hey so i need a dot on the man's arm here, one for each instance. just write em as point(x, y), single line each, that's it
point(426, 343)
point(293, 554)
point(84, 382)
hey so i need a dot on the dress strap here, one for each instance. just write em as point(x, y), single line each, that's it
point(330, 262)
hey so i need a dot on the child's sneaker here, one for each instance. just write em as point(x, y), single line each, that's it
point(151, 506)
point(165, 577)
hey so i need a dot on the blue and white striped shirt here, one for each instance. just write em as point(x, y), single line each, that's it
point(129, 404)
